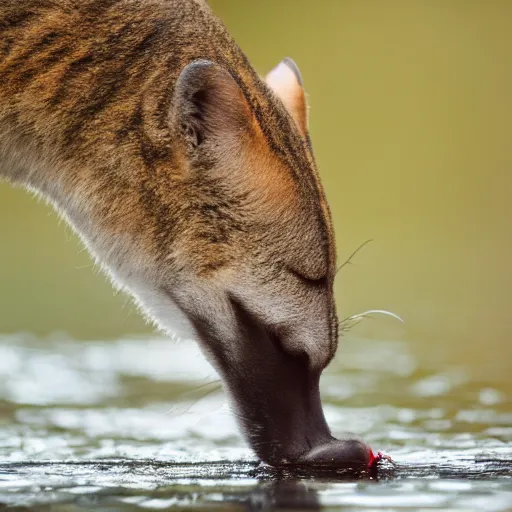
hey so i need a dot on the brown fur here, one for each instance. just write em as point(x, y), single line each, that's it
point(94, 115)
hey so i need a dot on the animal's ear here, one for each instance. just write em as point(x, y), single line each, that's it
point(286, 82)
point(209, 105)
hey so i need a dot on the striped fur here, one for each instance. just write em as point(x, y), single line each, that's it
point(90, 117)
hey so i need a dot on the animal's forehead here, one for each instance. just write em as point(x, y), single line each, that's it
point(297, 217)
point(294, 153)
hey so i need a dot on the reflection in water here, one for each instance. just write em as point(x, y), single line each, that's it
point(285, 494)
point(128, 425)
point(150, 485)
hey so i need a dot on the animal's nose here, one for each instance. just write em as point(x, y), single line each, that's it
point(350, 452)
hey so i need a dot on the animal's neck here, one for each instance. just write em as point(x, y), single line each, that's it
point(112, 211)
point(84, 107)
point(84, 120)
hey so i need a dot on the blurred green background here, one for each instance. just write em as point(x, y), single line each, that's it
point(411, 121)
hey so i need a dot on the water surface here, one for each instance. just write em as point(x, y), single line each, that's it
point(142, 424)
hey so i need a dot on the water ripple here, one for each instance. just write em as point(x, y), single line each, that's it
point(143, 425)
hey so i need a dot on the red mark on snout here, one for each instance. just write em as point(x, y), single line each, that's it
point(374, 459)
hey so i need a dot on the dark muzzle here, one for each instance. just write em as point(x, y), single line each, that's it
point(276, 399)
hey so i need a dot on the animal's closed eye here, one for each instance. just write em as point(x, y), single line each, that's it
point(318, 282)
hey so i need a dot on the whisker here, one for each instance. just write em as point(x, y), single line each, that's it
point(351, 321)
point(366, 314)
point(175, 409)
point(349, 259)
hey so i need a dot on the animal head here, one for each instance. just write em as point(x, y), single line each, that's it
point(193, 181)
point(256, 230)
point(255, 256)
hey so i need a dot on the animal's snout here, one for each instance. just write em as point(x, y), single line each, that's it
point(276, 398)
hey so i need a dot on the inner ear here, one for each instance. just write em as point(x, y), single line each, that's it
point(286, 82)
point(209, 105)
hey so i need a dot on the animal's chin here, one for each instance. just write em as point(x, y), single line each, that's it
point(276, 399)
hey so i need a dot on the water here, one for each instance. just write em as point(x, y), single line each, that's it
point(142, 424)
